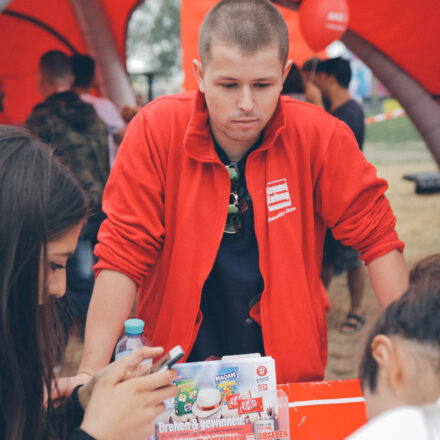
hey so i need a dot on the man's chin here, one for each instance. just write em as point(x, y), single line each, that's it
point(244, 135)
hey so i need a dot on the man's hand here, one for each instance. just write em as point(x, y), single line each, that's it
point(122, 405)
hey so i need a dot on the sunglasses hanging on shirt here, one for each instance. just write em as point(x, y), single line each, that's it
point(233, 221)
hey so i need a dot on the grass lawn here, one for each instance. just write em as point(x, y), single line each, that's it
point(393, 132)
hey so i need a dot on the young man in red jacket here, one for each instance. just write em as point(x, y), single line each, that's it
point(217, 207)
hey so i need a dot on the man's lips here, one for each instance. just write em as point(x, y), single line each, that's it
point(245, 122)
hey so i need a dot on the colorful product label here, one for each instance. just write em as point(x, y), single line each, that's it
point(186, 396)
point(226, 381)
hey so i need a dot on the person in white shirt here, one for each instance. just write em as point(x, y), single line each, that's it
point(400, 370)
point(83, 68)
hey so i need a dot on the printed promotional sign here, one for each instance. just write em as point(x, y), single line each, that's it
point(231, 399)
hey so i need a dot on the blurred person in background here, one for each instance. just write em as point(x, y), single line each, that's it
point(79, 139)
point(83, 67)
point(331, 82)
point(293, 84)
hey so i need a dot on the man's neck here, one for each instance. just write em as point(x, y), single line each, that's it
point(82, 90)
point(338, 97)
point(54, 90)
point(235, 150)
point(234, 154)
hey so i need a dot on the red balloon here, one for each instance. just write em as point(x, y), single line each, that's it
point(322, 21)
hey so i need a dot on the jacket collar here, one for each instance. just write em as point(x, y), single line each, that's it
point(198, 142)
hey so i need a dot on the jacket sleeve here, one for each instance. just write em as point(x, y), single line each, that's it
point(350, 198)
point(133, 233)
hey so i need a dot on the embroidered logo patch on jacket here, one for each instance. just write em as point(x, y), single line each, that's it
point(278, 197)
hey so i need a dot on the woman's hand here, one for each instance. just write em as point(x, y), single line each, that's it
point(121, 404)
point(85, 391)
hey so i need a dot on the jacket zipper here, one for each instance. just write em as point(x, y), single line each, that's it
point(257, 235)
point(206, 274)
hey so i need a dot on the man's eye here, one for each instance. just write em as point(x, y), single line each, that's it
point(228, 85)
point(56, 266)
point(261, 85)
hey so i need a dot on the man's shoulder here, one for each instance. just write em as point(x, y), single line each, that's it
point(106, 110)
point(97, 101)
point(40, 108)
point(351, 107)
point(168, 111)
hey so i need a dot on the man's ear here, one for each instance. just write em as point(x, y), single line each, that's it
point(198, 70)
point(384, 351)
point(286, 69)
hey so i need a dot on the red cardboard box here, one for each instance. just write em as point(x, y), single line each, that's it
point(329, 410)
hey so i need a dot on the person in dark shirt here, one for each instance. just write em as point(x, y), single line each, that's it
point(80, 140)
point(42, 210)
point(331, 83)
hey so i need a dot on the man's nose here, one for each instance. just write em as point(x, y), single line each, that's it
point(246, 100)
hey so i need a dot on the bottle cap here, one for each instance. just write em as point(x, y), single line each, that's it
point(134, 326)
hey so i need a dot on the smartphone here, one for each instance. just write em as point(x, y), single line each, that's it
point(167, 360)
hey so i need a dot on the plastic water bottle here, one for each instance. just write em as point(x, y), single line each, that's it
point(133, 340)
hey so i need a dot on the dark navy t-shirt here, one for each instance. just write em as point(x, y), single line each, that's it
point(232, 288)
point(352, 114)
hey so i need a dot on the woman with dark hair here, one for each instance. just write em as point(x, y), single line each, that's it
point(42, 210)
point(400, 370)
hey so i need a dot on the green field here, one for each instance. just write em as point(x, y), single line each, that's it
point(392, 132)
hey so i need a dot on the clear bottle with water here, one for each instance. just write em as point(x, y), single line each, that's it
point(133, 340)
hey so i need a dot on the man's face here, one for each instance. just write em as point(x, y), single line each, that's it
point(322, 81)
point(241, 91)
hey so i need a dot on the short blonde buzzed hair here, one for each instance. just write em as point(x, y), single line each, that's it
point(248, 24)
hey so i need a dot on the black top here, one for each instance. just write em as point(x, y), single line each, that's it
point(67, 418)
point(352, 114)
point(233, 286)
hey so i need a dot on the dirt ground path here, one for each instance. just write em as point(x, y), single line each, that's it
point(418, 226)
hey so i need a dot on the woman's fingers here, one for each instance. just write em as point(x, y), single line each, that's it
point(126, 367)
point(154, 381)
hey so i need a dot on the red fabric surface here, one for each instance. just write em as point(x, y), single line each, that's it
point(23, 43)
point(406, 31)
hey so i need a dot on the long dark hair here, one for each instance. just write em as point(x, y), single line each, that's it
point(39, 201)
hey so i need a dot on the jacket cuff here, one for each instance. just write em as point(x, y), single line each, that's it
point(388, 244)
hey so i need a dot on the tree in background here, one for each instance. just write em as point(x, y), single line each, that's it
point(153, 38)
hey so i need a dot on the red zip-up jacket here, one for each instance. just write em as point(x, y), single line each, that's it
point(167, 200)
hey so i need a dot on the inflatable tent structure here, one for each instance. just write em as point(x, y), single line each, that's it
point(28, 28)
point(397, 39)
